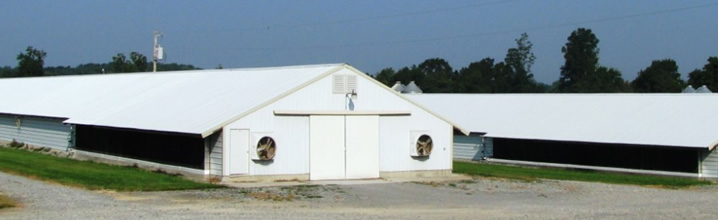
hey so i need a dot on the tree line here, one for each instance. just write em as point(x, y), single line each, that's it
point(32, 63)
point(581, 73)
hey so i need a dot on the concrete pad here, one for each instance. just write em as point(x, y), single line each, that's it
point(448, 178)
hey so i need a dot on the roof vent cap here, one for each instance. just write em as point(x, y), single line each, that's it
point(689, 89)
point(412, 88)
point(398, 86)
point(703, 89)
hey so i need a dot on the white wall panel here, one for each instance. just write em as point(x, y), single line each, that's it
point(709, 165)
point(44, 132)
point(291, 135)
point(393, 138)
point(214, 154)
point(474, 147)
point(362, 147)
point(327, 154)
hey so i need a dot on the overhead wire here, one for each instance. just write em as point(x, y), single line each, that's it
point(453, 37)
point(356, 20)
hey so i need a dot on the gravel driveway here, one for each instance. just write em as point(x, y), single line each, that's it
point(478, 199)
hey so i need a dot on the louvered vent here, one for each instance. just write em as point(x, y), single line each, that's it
point(343, 84)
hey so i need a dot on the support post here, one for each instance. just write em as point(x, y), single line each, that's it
point(154, 52)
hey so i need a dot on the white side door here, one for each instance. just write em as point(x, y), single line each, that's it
point(238, 151)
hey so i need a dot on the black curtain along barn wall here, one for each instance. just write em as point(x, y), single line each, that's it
point(166, 148)
point(674, 159)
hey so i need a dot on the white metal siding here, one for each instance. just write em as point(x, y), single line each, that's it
point(214, 162)
point(44, 132)
point(319, 96)
point(291, 135)
point(474, 147)
point(395, 144)
point(709, 164)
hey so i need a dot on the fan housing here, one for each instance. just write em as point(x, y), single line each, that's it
point(265, 149)
point(421, 144)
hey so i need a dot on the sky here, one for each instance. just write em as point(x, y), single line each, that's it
point(370, 35)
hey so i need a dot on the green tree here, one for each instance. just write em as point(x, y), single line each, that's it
point(7, 71)
point(408, 74)
point(519, 61)
point(119, 64)
point(92, 68)
point(581, 72)
point(439, 76)
point(581, 55)
point(136, 63)
point(707, 76)
point(31, 62)
point(660, 76)
point(139, 62)
point(386, 76)
point(175, 67)
point(484, 76)
point(608, 80)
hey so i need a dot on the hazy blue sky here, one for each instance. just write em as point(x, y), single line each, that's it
point(369, 35)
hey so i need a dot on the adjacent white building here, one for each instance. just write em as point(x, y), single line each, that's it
point(666, 133)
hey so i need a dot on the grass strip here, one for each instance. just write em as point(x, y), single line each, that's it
point(6, 202)
point(535, 173)
point(90, 175)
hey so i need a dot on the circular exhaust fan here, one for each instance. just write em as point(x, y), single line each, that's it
point(424, 145)
point(266, 148)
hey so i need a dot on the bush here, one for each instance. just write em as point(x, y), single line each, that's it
point(16, 144)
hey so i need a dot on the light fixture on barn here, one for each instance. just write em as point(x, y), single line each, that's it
point(18, 121)
point(348, 104)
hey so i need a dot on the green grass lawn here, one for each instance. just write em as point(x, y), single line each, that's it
point(88, 174)
point(531, 174)
point(6, 202)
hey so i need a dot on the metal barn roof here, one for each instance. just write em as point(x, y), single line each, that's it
point(684, 120)
point(194, 102)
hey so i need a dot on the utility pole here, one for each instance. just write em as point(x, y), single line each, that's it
point(156, 51)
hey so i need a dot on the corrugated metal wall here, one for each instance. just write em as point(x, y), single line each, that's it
point(44, 132)
point(709, 164)
point(474, 147)
point(214, 158)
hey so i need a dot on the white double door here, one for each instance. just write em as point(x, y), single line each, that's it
point(343, 147)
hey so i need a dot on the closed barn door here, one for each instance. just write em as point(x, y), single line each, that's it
point(344, 147)
point(362, 147)
point(326, 147)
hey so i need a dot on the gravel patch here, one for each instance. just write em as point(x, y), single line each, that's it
point(481, 198)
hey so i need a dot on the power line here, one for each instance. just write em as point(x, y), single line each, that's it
point(538, 28)
point(357, 20)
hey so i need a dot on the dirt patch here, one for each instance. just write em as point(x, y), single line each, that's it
point(6, 202)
